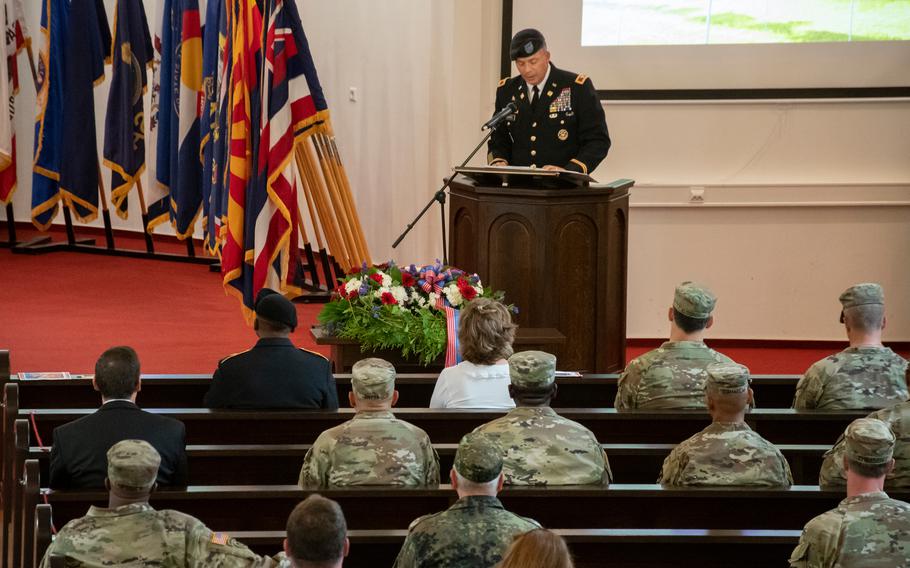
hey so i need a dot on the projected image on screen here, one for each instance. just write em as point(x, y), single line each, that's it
point(688, 22)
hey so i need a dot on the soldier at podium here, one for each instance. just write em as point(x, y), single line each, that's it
point(560, 122)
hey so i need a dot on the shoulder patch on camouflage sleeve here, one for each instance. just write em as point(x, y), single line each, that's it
point(316, 353)
point(581, 78)
point(503, 81)
point(220, 538)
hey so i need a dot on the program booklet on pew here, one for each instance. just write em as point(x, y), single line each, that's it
point(56, 376)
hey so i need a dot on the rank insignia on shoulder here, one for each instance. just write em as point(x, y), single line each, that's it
point(581, 79)
point(563, 134)
point(503, 81)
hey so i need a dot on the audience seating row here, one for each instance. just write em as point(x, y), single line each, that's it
point(415, 390)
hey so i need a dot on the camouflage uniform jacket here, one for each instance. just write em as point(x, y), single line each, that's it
point(138, 535)
point(864, 530)
point(855, 378)
point(373, 448)
point(671, 376)
point(726, 454)
point(472, 533)
point(543, 448)
point(898, 418)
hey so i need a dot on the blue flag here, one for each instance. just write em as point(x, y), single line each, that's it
point(179, 166)
point(124, 128)
point(214, 121)
point(70, 64)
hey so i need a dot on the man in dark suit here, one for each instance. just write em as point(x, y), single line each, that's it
point(79, 454)
point(560, 122)
point(274, 373)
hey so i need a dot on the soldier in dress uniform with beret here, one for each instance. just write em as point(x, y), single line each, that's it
point(727, 452)
point(274, 373)
point(560, 122)
point(867, 374)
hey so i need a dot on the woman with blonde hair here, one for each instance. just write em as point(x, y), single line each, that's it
point(481, 380)
point(539, 548)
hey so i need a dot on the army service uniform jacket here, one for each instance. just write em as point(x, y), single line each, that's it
point(273, 374)
point(870, 529)
point(566, 127)
point(138, 535)
point(472, 533)
point(726, 454)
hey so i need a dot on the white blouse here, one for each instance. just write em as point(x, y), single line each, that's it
point(467, 385)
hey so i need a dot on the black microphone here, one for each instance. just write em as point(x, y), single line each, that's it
point(507, 112)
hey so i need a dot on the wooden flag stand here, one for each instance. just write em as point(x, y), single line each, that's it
point(44, 244)
point(333, 217)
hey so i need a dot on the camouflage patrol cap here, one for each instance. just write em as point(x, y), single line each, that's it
point(869, 441)
point(727, 378)
point(133, 464)
point(526, 43)
point(373, 379)
point(862, 294)
point(478, 458)
point(694, 300)
point(532, 369)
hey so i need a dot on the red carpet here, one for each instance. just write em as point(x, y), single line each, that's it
point(59, 311)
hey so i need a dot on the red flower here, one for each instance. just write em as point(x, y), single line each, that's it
point(388, 299)
point(341, 291)
point(407, 280)
point(376, 277)
point(468, 292)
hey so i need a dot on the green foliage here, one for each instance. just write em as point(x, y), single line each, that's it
point(421, 334)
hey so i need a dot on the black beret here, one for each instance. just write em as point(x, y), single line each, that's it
point(275, 307)
point(262, 294)
point(526, 43)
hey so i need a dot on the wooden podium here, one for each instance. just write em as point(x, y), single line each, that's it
point(560, 255)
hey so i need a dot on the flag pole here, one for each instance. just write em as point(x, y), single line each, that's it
point(149, 244)
point(105, 212)
point(323, 253)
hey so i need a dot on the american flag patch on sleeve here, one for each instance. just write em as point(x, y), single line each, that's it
point(220, 538)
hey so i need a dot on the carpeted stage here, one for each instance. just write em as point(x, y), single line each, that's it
point(59, 311)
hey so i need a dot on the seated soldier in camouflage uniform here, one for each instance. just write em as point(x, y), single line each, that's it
point(374, 447)
point(541, 447)
point(867, 528)
point(866, 374)
point(130, 532)
point(476, 530)
point(897, 418)
point(673, 375)
point(727, 452)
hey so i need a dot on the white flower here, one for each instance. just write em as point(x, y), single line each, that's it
point(386, 280)
point(352, 285)
point(479, 289)
point(453, 294)
point(432, 297)
point(399, 293)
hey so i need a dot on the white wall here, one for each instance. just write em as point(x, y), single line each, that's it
point(802, 199)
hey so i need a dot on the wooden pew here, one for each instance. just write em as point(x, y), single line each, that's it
point(251, 464)
point(415, 390)
point(266, 507)
point(643, 548)
point(780, 426)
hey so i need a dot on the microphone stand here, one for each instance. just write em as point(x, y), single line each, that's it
point(440, 195)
